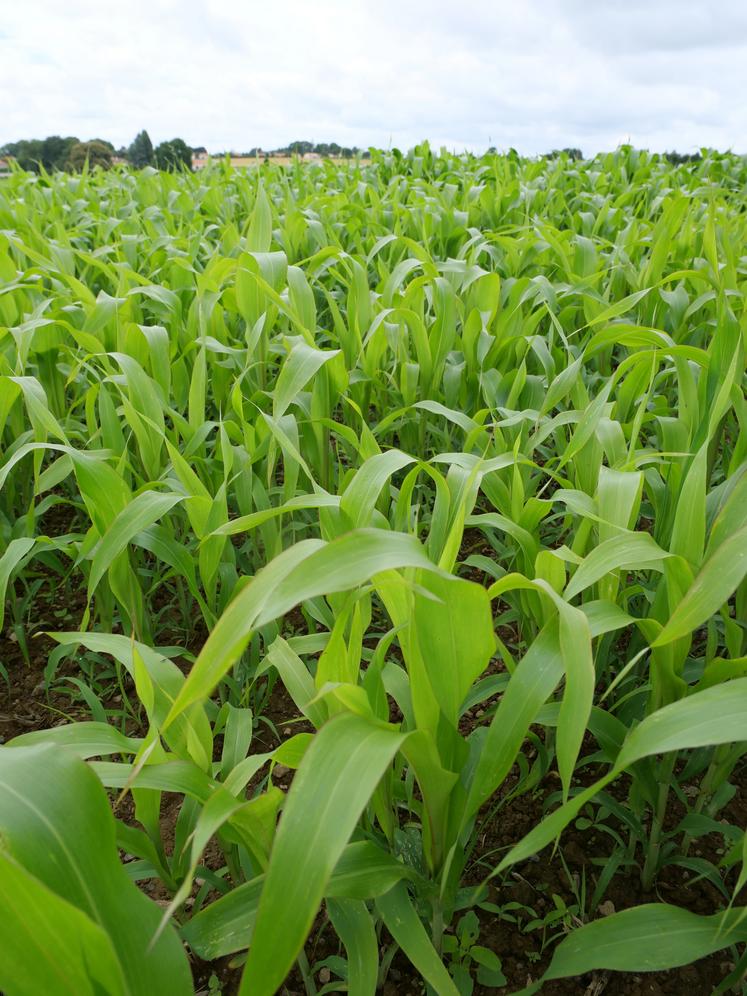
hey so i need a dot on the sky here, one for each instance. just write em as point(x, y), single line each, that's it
point(233, 74)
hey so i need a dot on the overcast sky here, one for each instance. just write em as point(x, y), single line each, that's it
point(232, 74)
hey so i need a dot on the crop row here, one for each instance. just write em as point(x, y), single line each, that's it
point(448, 452)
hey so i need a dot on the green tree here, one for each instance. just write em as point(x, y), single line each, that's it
point(52, 153)
point(27, 153)
point(174, 155)
point(678, 158)
point(55, 151)
point(575, 155)
point(300, 148)
point(140, 152)
point(96, 153)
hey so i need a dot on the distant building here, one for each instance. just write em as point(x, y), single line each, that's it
point(243, 162)
point(4, 167)
point(284, 157)
point(255, 157)
point(199, 157)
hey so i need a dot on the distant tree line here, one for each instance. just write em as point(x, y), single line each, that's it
point(675, 158)
point(320, 148)
point(573, 154)
point(71, 154)
point(172, 155)
point(57, 153)
point(54, 153)
point(678, 158)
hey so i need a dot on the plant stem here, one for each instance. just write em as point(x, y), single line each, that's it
point(421, 436)
point(704, 792)
point(385, 964)
point(732, 981)
point(654, 841)
point(326, 444)
point(305, 970)
point(437, 925)
point(718, 771)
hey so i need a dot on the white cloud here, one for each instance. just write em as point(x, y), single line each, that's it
point(536, 74)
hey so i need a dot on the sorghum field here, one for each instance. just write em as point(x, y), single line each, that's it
point(373, 542)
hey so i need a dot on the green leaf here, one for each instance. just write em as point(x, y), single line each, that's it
point(16, 551)
point(56, 822)
point(363, 871)
point(404, 925)
point(650, 938)
point(141, 512)
point(714, 716)
point(336, 779)
point(301, 365)
point(355, 928)
point(306, 570)
point(454, 627)
point(578, 697)
point(83, 739)
point(245, 523)
point(360, 496)
point(531, 684)
point(628, 551)
point(190, 735)
point(49, 945)
point(711, 587)
point(259, 236)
